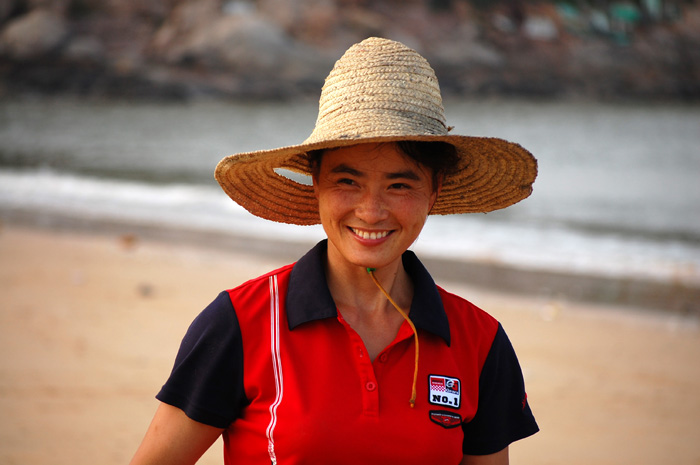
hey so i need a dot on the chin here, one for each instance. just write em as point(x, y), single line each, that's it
point(373, 262)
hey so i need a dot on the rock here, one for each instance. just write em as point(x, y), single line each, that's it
point(284, 48)
point(467, 53)
point(504, 24)
point(128, 242)
point(84, 49)
point(181, 25)
point(688, 26)
point(35, 34)
point(540, 28)
point(255, 46)
point(245, 44)
point(6, 8)
point(145, 290)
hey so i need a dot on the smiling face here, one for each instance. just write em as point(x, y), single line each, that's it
point(373, 202)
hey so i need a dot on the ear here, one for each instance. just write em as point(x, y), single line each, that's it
point(314, 180)
point(436, 191)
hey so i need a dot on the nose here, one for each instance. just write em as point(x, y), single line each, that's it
point(371, 208)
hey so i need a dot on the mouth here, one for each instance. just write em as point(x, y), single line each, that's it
point(370, 235)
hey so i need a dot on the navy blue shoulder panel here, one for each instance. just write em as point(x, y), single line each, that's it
point(503, 415)
point(207, 379)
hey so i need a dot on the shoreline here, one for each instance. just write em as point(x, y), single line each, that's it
point(670, 297)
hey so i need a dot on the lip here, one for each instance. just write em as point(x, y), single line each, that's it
point(370, 236)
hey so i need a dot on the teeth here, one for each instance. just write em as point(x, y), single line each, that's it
point(370, 235)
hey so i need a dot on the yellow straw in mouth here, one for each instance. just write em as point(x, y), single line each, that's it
point(413, 327)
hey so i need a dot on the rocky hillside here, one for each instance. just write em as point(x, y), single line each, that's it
point(285, 48)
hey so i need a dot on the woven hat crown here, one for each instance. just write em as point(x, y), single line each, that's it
point(379, 88)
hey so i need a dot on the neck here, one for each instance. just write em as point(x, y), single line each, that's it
point(354, 290)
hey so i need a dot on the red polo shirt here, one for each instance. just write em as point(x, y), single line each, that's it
point(275, 364)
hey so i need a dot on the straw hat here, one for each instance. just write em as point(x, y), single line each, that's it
point(379, 91)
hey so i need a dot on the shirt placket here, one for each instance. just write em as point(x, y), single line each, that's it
point(368, 381)
point(384, 357)
point(368, 371)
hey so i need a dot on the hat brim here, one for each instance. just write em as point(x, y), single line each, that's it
point(493, 174)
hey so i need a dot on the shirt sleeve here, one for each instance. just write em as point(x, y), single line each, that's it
point(503, 414)
point(207, 379)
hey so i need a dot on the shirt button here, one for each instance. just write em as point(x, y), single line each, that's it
point(383, 358)
point(371, 386)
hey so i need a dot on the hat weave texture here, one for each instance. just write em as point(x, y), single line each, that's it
point(379, 91)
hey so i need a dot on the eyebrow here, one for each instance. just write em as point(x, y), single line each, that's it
point(405, 174)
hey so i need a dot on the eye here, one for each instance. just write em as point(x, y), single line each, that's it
point(346, 181)
point(399, 186)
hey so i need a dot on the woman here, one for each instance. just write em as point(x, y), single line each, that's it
point(353, 354)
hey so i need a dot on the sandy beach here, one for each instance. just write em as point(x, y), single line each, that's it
point(90, 324)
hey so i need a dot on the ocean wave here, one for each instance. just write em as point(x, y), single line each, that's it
point(476, 238)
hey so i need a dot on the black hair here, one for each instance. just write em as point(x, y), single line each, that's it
point(440, 157)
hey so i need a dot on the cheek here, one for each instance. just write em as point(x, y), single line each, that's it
point(332, 204)
point(416, 205)
point(411, 215)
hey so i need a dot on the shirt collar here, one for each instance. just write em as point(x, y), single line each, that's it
point(309, 299)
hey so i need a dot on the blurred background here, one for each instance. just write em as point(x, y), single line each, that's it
point(115, 112)
point(114, 233)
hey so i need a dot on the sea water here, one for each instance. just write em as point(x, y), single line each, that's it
point(617, 194)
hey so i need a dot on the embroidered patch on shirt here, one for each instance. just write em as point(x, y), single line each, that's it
point(445, 391)
point(445, 419)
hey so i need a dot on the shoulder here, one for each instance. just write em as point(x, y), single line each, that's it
point(473, 330)
point(221, 313)
point(462, 312)
point(261, 282)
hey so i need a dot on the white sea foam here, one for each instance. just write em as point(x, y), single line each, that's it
point(178, 205)
point(466, 237)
